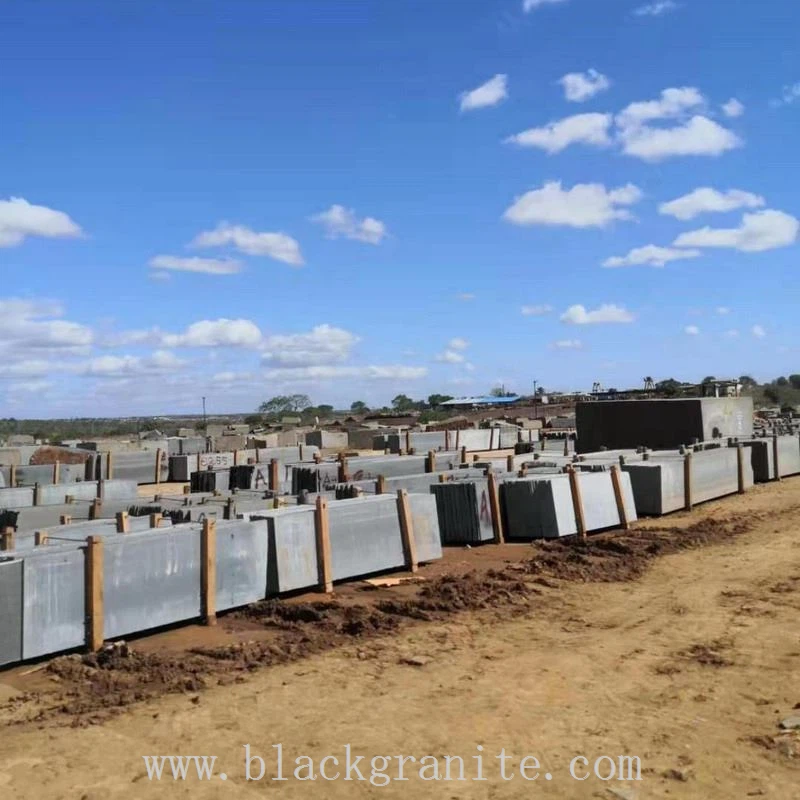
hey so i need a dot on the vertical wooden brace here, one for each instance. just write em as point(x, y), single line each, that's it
point(208, 571)
point(687, 481)
point(94, 593)
point(323, 539)
point(407, 530)
point(157, 476)
point(123, 523)
point(577, 503)
point(616, 482)
point(740, 467)
point(494, 507)
point(380, 485)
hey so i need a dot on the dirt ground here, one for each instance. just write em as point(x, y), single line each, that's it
point(678, 643)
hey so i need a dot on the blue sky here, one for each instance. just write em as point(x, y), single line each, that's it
point(354, 199)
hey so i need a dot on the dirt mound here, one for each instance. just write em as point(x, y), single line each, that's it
point(49, 455)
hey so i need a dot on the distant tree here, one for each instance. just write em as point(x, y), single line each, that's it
point(324, 410)
point(795, 381)
point(283, 404)
point(359, 407)
point(500, 391)
point(771, 394)
point(781, 381)
point(540, 391)
point(669, 387)
point(403, 403)
point(437, 399)
point(253, 420)
point(746, 380)
point(709, 379)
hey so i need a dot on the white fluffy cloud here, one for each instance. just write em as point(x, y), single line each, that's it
point(339, 221)
point(320, 373)
point(450, 357)
point(494, 91)
point(691, 330)
point(322, 345)
point(554, 137)
point(585, 205)
point(278, 246)
point(691, 136)
point(789, 95)
point(705, 200)
point(651, 255)
point(568, 344)
point(656, 9)
point(216, 333)
point(763, 230)
point(606, 313)
point(121, 366)
point(458, 343)
point(580, 86)
point(536, 311)
point(209, 266)
point(20, 219)
point(758, 332)
point(530, 5)
point(733, 108)
point(34, 324)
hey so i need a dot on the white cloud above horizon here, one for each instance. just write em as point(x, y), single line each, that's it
point(585, 205)
point(733, 108)
point(341, 222)
point(707, 200)
point(650, 255)
point(656, 9)
point(589, 129)
point(20, 219)
point(488, 94)
point(581, 86)
point(531, 5)
point(207, 266)
point(759, 231)
point(536, 311)
point(278, 246)
point(322, 345)
point(606, 313)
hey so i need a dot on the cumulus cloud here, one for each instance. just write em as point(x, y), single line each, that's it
point(494, 91)
point(328, 372)
point(651, 255)
point(568, 344)
point(209, 266)
point(531, 5)
point(591, 129)
point(606, 313)
point(450, 357)
point(705, 200)
point(789, 95)
point(733, 108)
point(278, 246)
point(322, 345)
point(581, 86)
point(35, 324)
point(20, 219)
point(339, 221)
point(762, 230)
point(121, 366)
point(691, 330)
point(758, 332)
point(536, 311)
point(695, 135)
point(216, 333)
point(458, 343)
point(585, 205)
point(656, 9)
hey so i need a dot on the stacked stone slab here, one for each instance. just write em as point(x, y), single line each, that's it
point(762, 454)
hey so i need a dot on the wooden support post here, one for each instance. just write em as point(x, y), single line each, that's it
point(430, 461)
point(775, 458)
point(228, 512)
point(94, 592)
point(509, 463)
point(407, 530)
point(274, 478)
point(687, 481)
point(7, 539)
point(323, 538)
point(39, 538)
point(740, 467)
point(208, 572)
point(235, 458)
point(523, 471)
point(101, 490)
point(566, 445)
point(13, 476)
point(616, 482)
point(95, 508)
point(494, 508)
point(464, 454)
point(37, 494)
point(109, 465)
point(155, 520)
point(65, 519)
point(408, 440)
point(458, 439)
point(317, 458)
point(443, 477)
point(157, 477)
point(187, 489)
point(447, 440)
point(577, 502)
point(344, 475)
point(380, 485)
point(300, 452)
point(491, 438)
point(123, 523)
point(57, 472)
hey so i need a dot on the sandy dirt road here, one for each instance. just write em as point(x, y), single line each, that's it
point(690, 667)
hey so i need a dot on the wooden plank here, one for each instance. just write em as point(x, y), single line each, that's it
point(208, 572)
point(94, 592)
point(380, 485)
point(95, 508)
point(577, 503)
point(740, 467)
point(109, 465)
point(344, 475)
point(616, 482)
point(509, 463)
point(407, 530)
point(775, 458)
point(57, 472)
point(7, 539)
point(274, 478)
point(447, 440)
point(13, 476)
point(157, 477)
point(494, 508)
point(430, 461)
point(37, 494)
point(408, 441)
point(65, 519)
point(491, 438)
point(39, 538)
point(322, 532)
point(687, 481)
point(155, 520)
point(123, 523)
point(464, 454)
